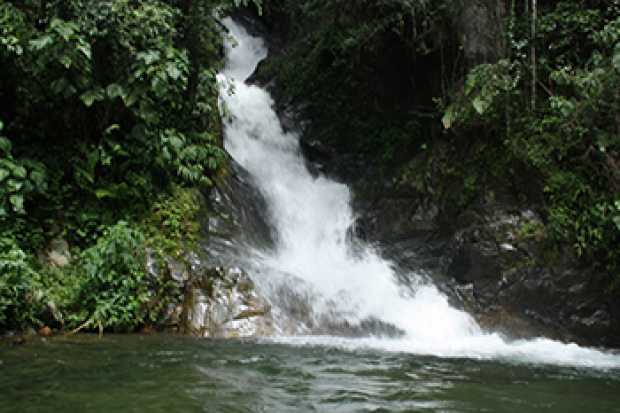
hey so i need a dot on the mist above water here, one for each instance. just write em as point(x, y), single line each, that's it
point(311, 218)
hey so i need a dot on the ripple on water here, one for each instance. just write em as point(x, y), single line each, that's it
point(175, 374)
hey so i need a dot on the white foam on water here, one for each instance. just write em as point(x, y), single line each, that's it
point(311, 217)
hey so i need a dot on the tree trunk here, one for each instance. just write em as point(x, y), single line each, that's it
point(533, 53)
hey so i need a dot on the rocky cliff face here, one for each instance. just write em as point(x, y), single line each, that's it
point(216, 298)
point(492, 260)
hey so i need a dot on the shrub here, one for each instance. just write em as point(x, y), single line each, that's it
point(16, 293)
point(113, 291)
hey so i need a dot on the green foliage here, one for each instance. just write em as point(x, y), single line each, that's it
point(235, 4)
point(172, 224)
point(107, 286)
point(16, 294)
point(531, 230)
point(18, 179)
point(114, 291)
point(359, 70)
point(104, 107)
point(108, 102)
point(571, 138)
point(487, 88)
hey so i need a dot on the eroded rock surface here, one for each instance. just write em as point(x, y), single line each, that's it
point(494, 261)
point(224, 304)
point(214, 302)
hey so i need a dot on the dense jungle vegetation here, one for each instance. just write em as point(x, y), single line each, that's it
point(108, 111)
point(466, 99)
point(108, 114)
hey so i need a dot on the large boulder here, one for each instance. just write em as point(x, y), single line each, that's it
point(57, 253)
point(215, 302)
point(224, 304)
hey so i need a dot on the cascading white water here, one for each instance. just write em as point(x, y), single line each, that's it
point(311, 217)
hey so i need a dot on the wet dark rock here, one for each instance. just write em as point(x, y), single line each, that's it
point(368, 327)
point(316, 151)
point(248, 18)
point(512, 282)
point(518, 287)
point(238, 217)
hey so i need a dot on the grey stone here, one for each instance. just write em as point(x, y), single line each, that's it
point(224, 304)
point(57, 253)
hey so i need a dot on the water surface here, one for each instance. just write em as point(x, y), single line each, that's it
point(180, 374)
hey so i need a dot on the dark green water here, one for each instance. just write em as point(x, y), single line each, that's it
point(176, 374)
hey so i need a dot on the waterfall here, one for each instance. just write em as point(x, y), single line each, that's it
point(311, 218)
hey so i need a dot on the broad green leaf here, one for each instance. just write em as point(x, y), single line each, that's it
point(150, 56)
point(165, 153)
point(4, 174)
point(159, 86)
point(5, 145)
point(19, 171)
point(63, 28)
point(131, 98)
point(173, 71)
point(13, 185)
point(38, 178)
point(176, 142)
point(17, 200)
point(59, 85)
point(86, 50)
point(102, 193)
point(111, 129)
point(41, 43)
point(481, 105)
point(115, 90)
point(448, 117)
point(91, 96)
point(66, 61)
point(470, 83)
